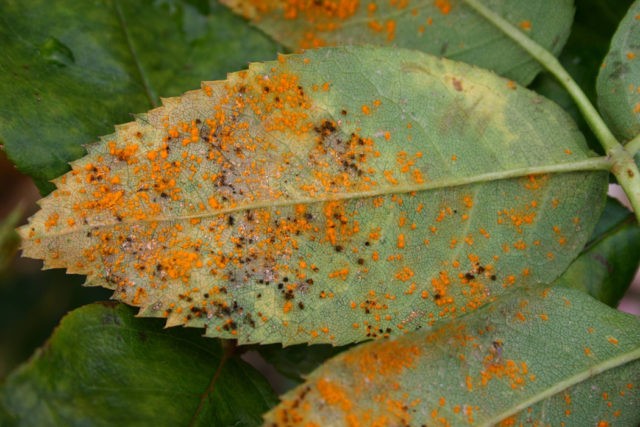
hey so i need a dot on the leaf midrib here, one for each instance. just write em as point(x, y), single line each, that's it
point(150, 93)
point(590, 372)
point(592, 164)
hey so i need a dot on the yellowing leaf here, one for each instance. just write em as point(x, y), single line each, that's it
point(441, 27)
point(334, 196)
point(537, 357)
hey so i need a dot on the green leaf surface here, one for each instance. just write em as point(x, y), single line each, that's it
point(70, 70)
point(607, 265)
point(330, 197)
point(618, 84)
point(104, 367)
point(568, 357)
point(440, 27)
point(594, 24)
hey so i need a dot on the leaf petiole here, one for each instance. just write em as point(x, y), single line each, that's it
point(633, 146)
point(622, 164)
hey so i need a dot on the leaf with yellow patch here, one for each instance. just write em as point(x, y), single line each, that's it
point(432, 26)
point(340, 195)
point(536, 357)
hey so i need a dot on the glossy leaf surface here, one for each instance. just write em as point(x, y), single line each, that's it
point(70, 70)
point(334, 196)
point(607, 265)
point(440, 27)
point(618, 84)
point(558, 351)
point(103, 367)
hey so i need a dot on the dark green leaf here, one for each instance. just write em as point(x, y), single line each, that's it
point(614, 215)
point(607, 265)
point(439, 27)
point(69, 69)
point(618, 84)
point(104, 367)
point(296, 361)
point(568, 357)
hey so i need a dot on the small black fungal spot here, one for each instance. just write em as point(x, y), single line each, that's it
point(361, 261)
point(231, 220)
point(343, 112)
point(339, 248)
point(493, 277)
point(469, 276)
point(301, 305)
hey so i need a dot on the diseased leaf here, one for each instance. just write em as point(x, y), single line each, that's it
point(70, 70)
point(103, 367)
point(607, 265)
point(618, 84)
point(559, 351)
point(594, 24)
point(334, 196)
point(440, 27)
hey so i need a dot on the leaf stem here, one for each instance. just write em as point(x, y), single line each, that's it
point(622, 164)
point(633, 146)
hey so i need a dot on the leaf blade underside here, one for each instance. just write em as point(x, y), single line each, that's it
point(618, 83)
point(439, 27)
point(285, 206)
point(535, 357)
